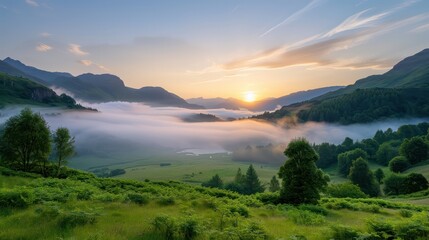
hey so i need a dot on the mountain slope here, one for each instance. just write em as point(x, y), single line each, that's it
point(401, 92)
point(18, 90)
point(263, 105)
point(96, 88)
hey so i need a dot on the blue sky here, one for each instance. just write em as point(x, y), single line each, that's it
point(216, 48)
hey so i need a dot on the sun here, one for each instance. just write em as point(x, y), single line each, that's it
point(249, 96)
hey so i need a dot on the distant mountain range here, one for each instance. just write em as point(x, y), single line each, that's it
point(401, 92)
point(263, 105)
point(95, 88)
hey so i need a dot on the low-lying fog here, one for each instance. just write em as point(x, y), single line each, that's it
point(129, 131)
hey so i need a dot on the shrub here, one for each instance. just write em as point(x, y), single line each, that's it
point(345, 190)
point(381, 229)
point(49, 210)
point(165, 201)
point(405, 213)
point(165, 225)
point(343, 233)
point(15, 198)
point(412, 230)
point(398, 164)
point(314, 209)
point(137, 198)
point(304, 217)
point(240, 209)
point(189, 228)
point(75, 218)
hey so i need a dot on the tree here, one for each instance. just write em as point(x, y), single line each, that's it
point(415, 182)
point(398, 164)
point(63, 147)
point(370, 146)
point(274, 185)
point(214, 182)
point(346, 159)
point(399, 184)
point(414, 149)
point(393, 185)
point(26, 141)
point(385, 153)
point(327, 154)
point(251, 182)
point(345, 190)
point(379, 175)
point(238, 184)
point(363, 177)
point(301, 179)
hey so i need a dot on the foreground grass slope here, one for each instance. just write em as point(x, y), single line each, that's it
point(82, 206)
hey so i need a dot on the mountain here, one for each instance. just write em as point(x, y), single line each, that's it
point(95, 87)
point(411, 72)
point(263, 105)
point(401, 92)
point(18, 90)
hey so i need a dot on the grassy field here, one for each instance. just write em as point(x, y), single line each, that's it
point(84, 207)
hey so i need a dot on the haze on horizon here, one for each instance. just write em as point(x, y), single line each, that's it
point(216, 48)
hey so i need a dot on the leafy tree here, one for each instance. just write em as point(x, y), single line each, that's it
point(398, 164)
point(26, 141)
point(370, 146)
point(251, 182)
point(393, 185)
point(327, 154)
point(385, 153)
point(274, 185)
point(346, 159)
point(408, 131)
point(345, 190)
point(214, 182)
point(414, 149)
point(379, 175)
point(397, 184)
point(63, 147)
point(363, 177)
point(302, 180)
point(415, 182)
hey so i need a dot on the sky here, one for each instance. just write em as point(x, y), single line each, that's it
point(218, 48)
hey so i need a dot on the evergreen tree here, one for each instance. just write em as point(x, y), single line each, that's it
point(363, 177)
point(251, 182)
point(63, 147)
point(214, 182)
point(26, 141)
point(274, 185)
point(302, 180)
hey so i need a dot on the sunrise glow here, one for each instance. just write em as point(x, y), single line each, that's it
point(249, 96)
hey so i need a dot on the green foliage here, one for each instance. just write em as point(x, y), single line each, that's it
point(189, 228)
point(346, 159)
point(397, 184)
point(214, 182)
point(274, 185)
point(252, 184)
point(345, 190)
point(15, 198)
point(363, 177)
point(386, 152)
point(398, 164)
point(63, 147)
point(405, 213)
point(327, 154)
point(166, 200)
point(415, 149)
point(305, 217)
point(340, 232)
point(379, 175)
point(138, 198)
point(302, 180)
point(26, 141)
point(381, 228)
point(76, 218)
point(165, 225)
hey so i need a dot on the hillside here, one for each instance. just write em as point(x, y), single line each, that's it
point(95, 87)
point(85, 207)
point(262, 105)
point(400, 92)
point(18, 90)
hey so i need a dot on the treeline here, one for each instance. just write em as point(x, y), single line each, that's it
point(398, 150)
point(367, 105)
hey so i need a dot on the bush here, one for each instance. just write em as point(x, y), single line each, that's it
point(381, 229)
point(343, 233)
point(165, 225)
point(314, 209)
point(137, 198)
point(240, 209)
point(76, 218)
point(189, 228)
point(412, 231)
point(345, 190)
point(15, 198)
point(165, 201)
point(398, 164)
point(304, 217)
point(406, 213)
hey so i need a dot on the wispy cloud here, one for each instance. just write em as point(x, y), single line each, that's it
point(45, 34)
point(43, 47)
point(76, 50)
point(32, 3)
point(292, 17)
point(89, 63)
point(421, 28)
